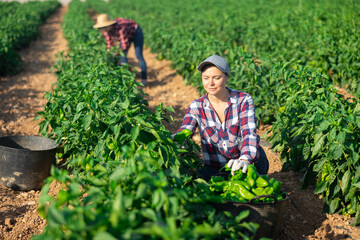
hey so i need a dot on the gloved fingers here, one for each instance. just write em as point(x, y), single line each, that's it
point(244, 166)
point(236, 166)
point(230, 163)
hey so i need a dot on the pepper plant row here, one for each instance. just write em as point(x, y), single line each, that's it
point(316, 130)
point(19, 23)
point(320, 34)
point(129, 179)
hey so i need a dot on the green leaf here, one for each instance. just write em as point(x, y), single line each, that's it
point(87, 121)
point(80, 106)
point(140, 120)
point(118, 174)
point(164, 153)
point(242, 215)
point(155, 134)
point(55, 216)
point(149, 213)
point(355, 157)
point(117, 207)
point(323, 126)
point(319, 165)
point(351, 194)
point(158, 199)
point(104, 236)
point(319, 91)
point(141, 191)
point(334, 204)
point(94, 195)
point(205, 229)
point(96, 181)
point(346, 180)
point(134, 132)
point(332, 134)
point(341, 137)
point(335, 151)
point(357, 108)
point(170, 109)
point(321, 187)
point(306, 150)
point(318, 146)
point(357, 120)
point(356, 221)
point(117, 129)
point(125, 104)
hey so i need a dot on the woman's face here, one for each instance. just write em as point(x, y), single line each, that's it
point(214, 80)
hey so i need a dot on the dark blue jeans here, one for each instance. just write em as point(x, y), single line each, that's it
point(138, 44)
point(262, 166)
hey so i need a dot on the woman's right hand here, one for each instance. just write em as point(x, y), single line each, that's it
point(237, 164)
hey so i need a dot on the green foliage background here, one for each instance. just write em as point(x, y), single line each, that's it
point(19, 24)
point(290, 56)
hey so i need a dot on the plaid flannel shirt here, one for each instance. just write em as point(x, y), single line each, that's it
point(235, 138)
point(124, 32)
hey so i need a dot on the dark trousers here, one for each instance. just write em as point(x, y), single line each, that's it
point(262, 166)
point(138, 44)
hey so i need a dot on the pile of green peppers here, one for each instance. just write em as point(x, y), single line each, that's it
point(242, 187)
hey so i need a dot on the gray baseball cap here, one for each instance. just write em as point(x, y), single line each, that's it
point(218, 61)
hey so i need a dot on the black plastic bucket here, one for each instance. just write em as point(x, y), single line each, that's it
point(25, 161)
point(267, 215)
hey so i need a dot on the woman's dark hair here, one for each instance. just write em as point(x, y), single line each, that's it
point(207, 66)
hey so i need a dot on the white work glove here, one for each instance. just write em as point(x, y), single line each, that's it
point(236, 164)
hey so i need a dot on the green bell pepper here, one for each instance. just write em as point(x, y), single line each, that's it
point(269, 190)
point(241, 190)
point(277, 187)
point(239, 175)
point(258, 191)
point(251, 175)
point(261, 182)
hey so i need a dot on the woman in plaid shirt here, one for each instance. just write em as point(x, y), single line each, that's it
point(124, 32)
point(227, 123)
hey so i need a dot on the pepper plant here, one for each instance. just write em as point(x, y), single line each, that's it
point(317, 132)
point(19, 24)
point(129, 179)
point(290, 75)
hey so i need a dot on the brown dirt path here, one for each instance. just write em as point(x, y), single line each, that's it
point(21, 97)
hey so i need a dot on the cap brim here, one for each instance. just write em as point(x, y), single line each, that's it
point(203, 64)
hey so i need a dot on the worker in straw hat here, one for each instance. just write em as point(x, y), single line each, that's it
point(125, 31)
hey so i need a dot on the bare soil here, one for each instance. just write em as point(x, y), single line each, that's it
point(21, 97)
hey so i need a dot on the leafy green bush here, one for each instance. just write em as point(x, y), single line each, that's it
point(317, 132)
point(129, 179)
point(288, 55)
point(18, 26)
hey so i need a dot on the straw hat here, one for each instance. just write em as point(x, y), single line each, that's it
point(103, 20)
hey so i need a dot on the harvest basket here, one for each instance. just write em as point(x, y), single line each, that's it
point(25, 161)
point(267, 215)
